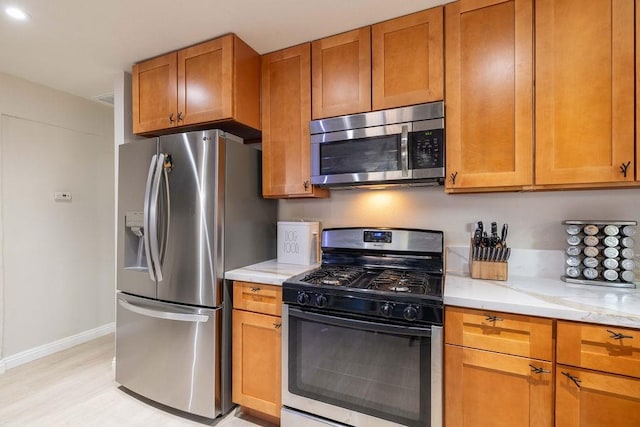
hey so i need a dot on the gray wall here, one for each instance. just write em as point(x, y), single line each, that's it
point(56, 257)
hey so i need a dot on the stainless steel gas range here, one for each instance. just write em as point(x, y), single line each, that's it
point(362, 337)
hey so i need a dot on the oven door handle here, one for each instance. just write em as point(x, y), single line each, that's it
point(361, 324)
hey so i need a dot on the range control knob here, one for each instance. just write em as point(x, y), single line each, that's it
point(386, 309)
point(410, 313)
point(302, 298)
point(321, 301)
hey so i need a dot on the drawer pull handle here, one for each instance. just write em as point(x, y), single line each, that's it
point(255, 289)
point(493, 318)
point(575, 380)
point(617, 335)
point(277, 325)
point(537, 370)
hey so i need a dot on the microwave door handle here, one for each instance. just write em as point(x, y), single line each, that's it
point(147, 228)
point(404, 150)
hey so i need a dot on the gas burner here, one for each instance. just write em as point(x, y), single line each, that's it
point(399, 288)
point(334, 281)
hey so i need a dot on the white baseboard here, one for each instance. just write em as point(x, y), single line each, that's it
point(53, 347)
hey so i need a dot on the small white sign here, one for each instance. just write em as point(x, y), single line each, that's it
point(298, 242)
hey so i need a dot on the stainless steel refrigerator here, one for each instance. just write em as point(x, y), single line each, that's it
point(189, 208)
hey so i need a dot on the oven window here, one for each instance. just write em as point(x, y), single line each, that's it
point(378, 374)
point(374, 154)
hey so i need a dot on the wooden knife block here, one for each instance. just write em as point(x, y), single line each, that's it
point(487, 269)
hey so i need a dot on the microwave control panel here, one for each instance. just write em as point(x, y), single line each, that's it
point(427, 149)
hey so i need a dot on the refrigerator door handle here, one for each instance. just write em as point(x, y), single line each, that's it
point(153, 217)
point(167, 215)
point(167, 315)
point(147, 228)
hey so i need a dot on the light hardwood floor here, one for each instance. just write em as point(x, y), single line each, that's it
point(75, 387)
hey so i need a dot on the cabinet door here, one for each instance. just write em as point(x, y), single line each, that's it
point(483, 388)
point(594, 399)
point(584, 91)
point(257, 361)
point(341, 74)
point(489, 66)
point(155, 93)
point(407, 57)
point(286, 111)
point(205, 81)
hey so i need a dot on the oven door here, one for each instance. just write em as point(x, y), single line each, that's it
point(361, 373)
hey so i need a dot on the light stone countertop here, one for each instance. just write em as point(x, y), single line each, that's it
point(269, 272)
point(534, 288)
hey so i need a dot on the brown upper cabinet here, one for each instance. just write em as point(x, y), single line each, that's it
point(584, 93)
point(341, 74)
point(407, 55)
point(390, 64)
point(213, 82)
point(489, 86)
point(286, 112)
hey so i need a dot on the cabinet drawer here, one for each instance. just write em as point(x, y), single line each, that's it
point(599, 347)
point(257, 297)
point(515, 334)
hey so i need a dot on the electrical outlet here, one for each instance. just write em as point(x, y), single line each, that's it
point(62, 196)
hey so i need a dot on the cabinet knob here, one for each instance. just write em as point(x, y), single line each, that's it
point(454, 175)
point(180, 116)
point(255, 289)
point(171, 120)
point(277, 325)
point(575, 380)
point(537, 370)
point(493, 318)
point(306, 185)
point(618, 335)
point(624, 167)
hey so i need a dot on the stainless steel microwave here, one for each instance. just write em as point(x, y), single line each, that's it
point(397, 146)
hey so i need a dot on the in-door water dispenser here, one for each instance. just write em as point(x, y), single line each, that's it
point(134, 254)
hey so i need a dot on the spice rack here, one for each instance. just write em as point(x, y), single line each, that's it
point(600, 253)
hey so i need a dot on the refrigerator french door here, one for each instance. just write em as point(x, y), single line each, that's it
point(189, 208)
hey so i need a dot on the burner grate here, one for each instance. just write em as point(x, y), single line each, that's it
point(334, 275)
point(399, 281)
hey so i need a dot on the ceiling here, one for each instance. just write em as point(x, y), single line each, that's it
point(80, 46)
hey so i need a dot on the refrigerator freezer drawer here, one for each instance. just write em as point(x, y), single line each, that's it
point(167, 353)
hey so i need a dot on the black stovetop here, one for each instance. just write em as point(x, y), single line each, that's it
point(383, 281)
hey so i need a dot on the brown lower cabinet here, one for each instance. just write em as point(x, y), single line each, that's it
point(590, 378)
point(485, 388)
point(588, 398)
point(256, 347)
